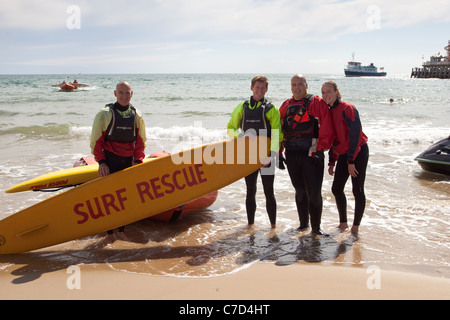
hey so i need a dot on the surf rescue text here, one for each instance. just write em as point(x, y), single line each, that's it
point(148, 190)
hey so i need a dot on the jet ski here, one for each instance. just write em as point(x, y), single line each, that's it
point(436, 158)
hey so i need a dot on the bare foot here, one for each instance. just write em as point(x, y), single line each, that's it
point(123, 236)
point(109, 238)
point(355, 230)
point(342, 226)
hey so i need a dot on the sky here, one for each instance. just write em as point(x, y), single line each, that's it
point(226, 36)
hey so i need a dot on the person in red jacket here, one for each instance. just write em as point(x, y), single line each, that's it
point(118, 136)
point(308, 132)
point(351, 152)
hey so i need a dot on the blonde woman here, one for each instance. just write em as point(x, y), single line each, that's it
point(351, 152)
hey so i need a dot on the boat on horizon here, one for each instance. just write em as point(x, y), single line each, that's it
point(356, 69)
point(436, 158)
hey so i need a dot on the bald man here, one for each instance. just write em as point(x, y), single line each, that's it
point(308, 131)
point(118, 135)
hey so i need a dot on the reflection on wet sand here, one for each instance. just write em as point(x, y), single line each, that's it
point(178, 250)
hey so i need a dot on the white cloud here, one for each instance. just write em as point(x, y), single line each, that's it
point(33, 15)
point(96, 60)
point(201, 52)
point(199, 34)
point(240, 20)
point(264, 41)
point(405, 13)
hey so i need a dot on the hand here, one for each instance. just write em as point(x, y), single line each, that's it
point(352, 170)
point(331, 170)
point(249, 135)
point(319, 158)
point(103, 170)
point(280, 161)
point(267, 162)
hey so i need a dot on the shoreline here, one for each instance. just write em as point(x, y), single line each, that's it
point(259, 281)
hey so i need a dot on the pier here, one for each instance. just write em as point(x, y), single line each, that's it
point(438, 67)
point(440, 71)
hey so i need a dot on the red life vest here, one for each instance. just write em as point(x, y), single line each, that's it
point(299, 127)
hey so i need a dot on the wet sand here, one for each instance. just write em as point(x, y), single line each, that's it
point(259, 281)
point(250, 265)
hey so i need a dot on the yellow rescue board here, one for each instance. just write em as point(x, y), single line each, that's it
point(131, 195)
point(58, 179)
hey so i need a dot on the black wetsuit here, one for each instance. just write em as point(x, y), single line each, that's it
point(256, 119)
point(349, 147)
point(271, 203)
point(306, 177)
point(304, 143)
point(117, 163)
point(340, 179)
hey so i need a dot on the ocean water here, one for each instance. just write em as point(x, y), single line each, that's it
point(407, 219)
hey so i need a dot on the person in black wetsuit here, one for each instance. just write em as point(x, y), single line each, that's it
point(259, 116)
point(351, 152)
point(118, 136)
point(307, 131)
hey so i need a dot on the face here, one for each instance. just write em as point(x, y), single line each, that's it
point(329, 94)
point(299, 87)
point(259, 90)
point(123, 94)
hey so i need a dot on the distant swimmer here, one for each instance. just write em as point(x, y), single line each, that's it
point(391, 100)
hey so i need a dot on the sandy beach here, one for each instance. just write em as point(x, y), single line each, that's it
point(259, 281)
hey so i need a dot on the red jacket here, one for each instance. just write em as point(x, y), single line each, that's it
point(349, 135)
point(318, 109)
point(124, 149)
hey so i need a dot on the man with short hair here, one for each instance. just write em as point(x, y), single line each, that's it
point(118, 135)
point(308, 131)
point(258, 116)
